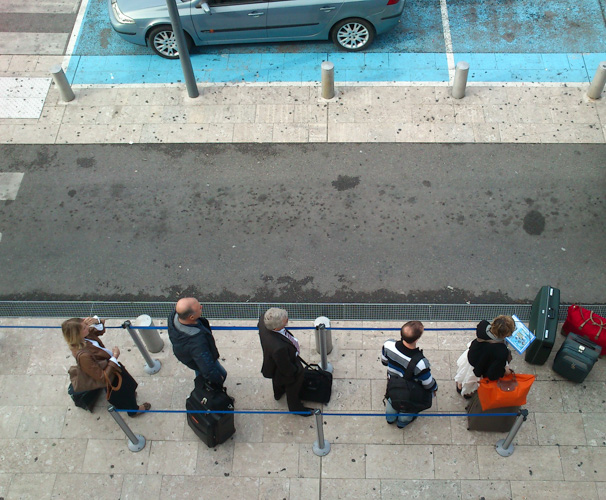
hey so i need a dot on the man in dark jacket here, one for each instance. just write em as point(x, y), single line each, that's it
point(193, 341)
point(281, 358)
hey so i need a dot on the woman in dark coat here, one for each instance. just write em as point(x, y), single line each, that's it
point(100, 364)
point(487, 356)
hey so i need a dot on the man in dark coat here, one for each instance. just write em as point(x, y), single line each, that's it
point(193, 341)
point(281, 358)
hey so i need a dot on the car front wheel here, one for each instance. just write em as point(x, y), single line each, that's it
point(163, 42)
point(353, 34)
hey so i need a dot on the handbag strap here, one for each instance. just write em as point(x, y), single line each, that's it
point(412, 364)
point(303, 361)
point(601, 325)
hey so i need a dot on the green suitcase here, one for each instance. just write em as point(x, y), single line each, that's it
point(576, 358)
point(543, 323)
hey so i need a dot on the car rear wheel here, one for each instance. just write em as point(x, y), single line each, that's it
point(353, 34)
point(163, 42)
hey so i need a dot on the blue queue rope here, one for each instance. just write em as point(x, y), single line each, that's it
point(331, 414)
point(251, 328)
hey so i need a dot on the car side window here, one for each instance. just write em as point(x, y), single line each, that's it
point(219, 3)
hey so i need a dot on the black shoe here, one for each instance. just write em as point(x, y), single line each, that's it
point(458, 390)
point(278, 397)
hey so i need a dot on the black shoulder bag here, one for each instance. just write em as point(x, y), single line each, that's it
point(406, 394)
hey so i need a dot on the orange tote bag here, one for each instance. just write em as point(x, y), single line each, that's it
point(511, 390)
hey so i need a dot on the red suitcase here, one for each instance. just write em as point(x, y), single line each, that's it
point(587, 324)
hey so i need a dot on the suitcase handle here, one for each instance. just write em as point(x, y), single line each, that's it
point(587, 343)
point(551, 313)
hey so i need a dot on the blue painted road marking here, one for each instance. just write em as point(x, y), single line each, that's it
point(524, 41)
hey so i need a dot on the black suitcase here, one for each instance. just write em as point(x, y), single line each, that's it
point(576, 358)
point(317, 384)
point(543, 324)
point(489, 424)
point(212, 428)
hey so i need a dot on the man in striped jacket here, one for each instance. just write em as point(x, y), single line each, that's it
point(396, 355)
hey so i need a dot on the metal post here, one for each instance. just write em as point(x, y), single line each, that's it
point(598, 82)
point(328, 80)
point(460, 80)
point(321, 331)
point(136, 442)
point(152, 366)
point(188, 71)
point(504, 447)
point(151, 337)
point(65, 89)
point(321, 447)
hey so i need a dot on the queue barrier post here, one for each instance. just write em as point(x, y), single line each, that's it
point(152, 366)
point(504, 447)
point(322, 342)
point(321, 447)
point(136, 442)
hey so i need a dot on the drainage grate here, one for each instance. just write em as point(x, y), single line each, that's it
point(297, 311)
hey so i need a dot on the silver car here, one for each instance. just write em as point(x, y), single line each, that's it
point(350, 24)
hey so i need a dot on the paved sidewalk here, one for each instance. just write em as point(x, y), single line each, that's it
point(50, 449)
point(165, 114)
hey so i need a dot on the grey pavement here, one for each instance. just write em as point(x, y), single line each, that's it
point(51, 449)
point(243, 114)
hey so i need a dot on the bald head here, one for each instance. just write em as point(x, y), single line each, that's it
point(188, 309)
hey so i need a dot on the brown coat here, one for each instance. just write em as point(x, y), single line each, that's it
point(94, 361)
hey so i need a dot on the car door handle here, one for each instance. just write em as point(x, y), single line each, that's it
point(256, 14)
point(327, 9)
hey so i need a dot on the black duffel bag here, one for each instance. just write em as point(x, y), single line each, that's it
point(406, 394)
point(317, 384)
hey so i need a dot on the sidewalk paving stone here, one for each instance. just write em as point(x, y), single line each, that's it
point(49, 447)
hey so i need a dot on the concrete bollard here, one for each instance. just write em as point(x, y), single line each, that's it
point(328, 80)
point(599, 80)
point(65, 89)
point(460, 80)
point(151, 337)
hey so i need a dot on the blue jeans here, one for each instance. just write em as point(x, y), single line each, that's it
point(391, 416)
point(219, 367)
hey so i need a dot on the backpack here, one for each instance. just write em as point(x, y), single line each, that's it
point(406, 394)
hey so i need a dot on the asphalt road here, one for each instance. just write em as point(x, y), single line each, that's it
point(314, 223)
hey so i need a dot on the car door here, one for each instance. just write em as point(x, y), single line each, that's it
point(230, 21)
point(298, 19)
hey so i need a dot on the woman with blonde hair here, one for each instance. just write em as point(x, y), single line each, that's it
point(100, 364)
point(487, 356)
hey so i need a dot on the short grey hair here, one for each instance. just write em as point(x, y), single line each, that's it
point(274, 318)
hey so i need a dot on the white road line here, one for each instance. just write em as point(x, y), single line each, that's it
point(74, 35)
point(447, 40)
point(9, 185)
